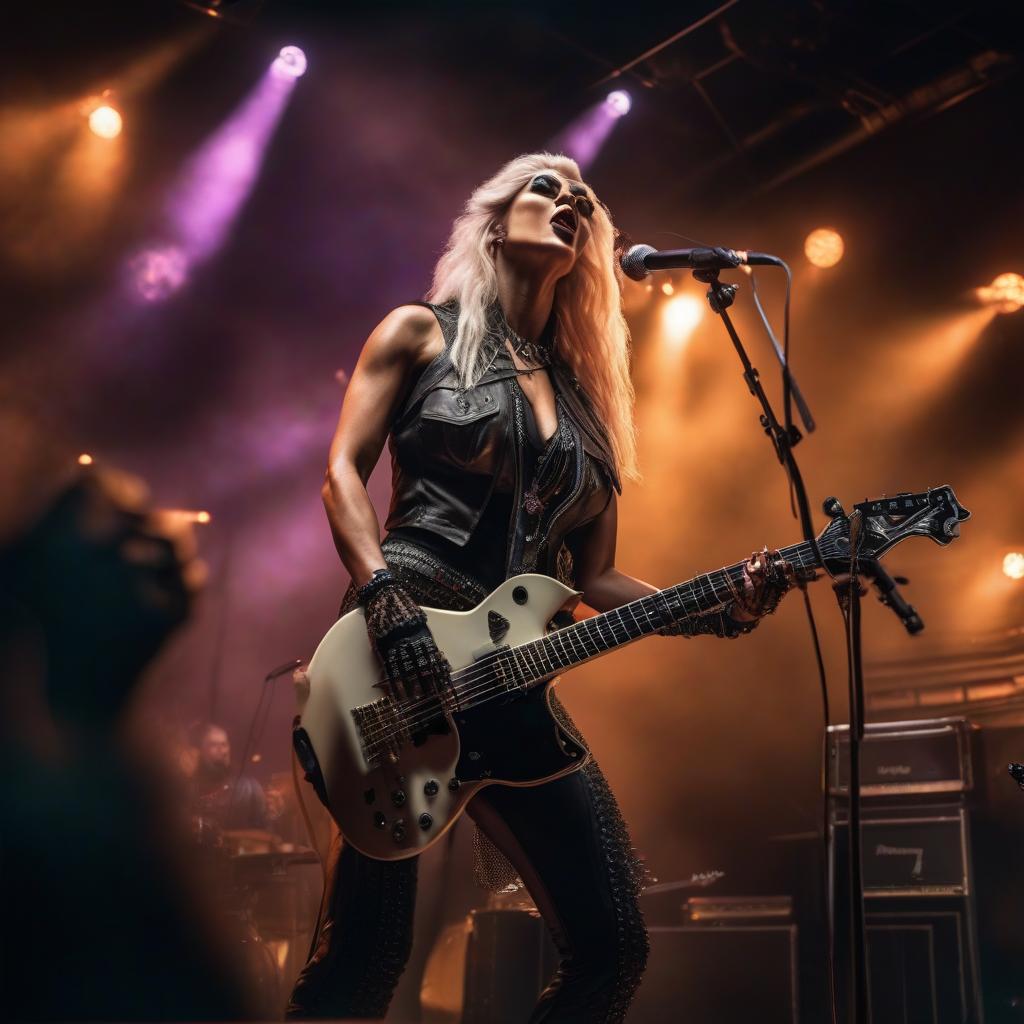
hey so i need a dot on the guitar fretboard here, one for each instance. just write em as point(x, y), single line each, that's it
point(531, 663)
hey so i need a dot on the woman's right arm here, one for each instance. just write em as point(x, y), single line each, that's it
point(400, 345)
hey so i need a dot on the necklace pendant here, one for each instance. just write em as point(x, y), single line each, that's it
point(529, 351)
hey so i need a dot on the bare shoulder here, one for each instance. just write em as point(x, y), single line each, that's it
point(409, 335)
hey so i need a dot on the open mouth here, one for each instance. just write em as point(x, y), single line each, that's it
point(564, 224)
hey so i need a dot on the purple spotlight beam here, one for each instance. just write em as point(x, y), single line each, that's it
point(584, 137)
point(204, 203)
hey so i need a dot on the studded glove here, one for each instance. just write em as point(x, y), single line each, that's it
point(397, 628)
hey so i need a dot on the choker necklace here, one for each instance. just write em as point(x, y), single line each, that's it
point(535, 352)
point(530, 351)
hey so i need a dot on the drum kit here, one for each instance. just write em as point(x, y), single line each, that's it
point(267, 895)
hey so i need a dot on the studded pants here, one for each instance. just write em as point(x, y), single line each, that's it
point(566, 839)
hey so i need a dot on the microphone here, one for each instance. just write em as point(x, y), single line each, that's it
point(890, 596)
point(638, 261)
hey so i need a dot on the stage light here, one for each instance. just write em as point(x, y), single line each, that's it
point(1005, 293)
point(619, 102)
point(159, 272)
point(1013, 565)
point(85, 459)
point(667, 288)
point(583, 138)
point(680, 316)
point(237, 11)
point(189, 515)
point(105, 122)
point(290, 62)
point(823, 247)
point(203, 204)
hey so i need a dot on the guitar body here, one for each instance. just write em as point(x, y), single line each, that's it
point(395, 775)
point(399, 807)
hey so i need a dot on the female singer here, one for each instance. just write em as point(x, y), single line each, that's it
point(507, 404)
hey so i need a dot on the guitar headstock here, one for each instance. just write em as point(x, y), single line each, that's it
point(887, 521)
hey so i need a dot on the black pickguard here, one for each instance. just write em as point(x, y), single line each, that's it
point(517, 740)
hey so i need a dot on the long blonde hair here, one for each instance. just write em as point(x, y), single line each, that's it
point(591, 334)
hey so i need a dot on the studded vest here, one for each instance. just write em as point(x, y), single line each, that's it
point(454, 451)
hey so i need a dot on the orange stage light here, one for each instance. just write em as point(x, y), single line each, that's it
point(1005, 293)
point(105, 121)
point(680, 317)
point(85, 459)
point(667, 288)
point(189, 515)
point(1013, 565)
point(823, 247)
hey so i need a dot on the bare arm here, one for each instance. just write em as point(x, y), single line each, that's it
point(593, 555)
point(400, 344)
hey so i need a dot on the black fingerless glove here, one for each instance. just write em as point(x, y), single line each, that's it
point(720, 624)
point(397, 628)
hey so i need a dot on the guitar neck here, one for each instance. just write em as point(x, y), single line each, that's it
point(590, 638)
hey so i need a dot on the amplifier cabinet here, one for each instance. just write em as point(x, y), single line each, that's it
point(922, 962)
point(911, 851)
point(509, 959)
point(719, 974)
point(904, 758)
point(919, 909)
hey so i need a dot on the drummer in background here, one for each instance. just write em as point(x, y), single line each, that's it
point(220, 797)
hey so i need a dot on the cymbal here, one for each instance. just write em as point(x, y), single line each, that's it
point(302, 855)
point(255, 834)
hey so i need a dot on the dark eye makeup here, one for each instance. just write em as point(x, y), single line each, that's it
point(552, 186)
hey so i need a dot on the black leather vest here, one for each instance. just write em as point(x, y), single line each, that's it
point(451, 449)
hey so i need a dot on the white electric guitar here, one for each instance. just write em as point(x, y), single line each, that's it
point(396, 774)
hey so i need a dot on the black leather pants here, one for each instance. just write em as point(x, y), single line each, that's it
point(566, 839)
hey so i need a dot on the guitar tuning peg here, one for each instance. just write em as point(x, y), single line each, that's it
point(832, 507)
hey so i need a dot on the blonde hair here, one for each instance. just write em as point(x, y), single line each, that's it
point(591, 334)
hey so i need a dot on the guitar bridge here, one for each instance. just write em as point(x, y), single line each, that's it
point(381, 729)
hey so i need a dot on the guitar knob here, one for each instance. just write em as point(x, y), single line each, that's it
point(425, 821)
point(379, 820)
point(454, 783)
point(398, 831)
point(398, 797)
point(431, 787)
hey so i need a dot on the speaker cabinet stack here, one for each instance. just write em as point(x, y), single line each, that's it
point(919, 898)
point(509, 960)
point(733, 961)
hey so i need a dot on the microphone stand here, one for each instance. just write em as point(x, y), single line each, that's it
point(720, 297)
